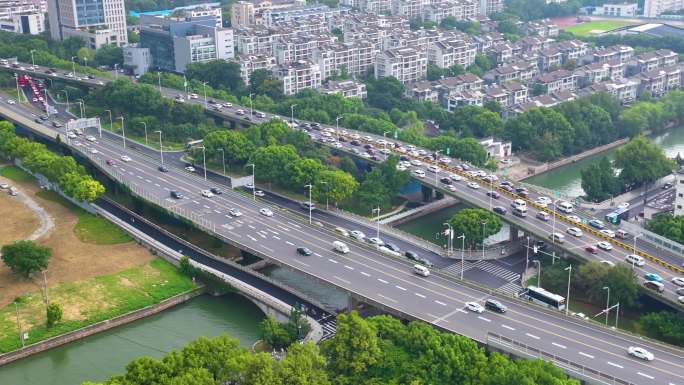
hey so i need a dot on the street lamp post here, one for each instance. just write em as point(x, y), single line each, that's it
point(159, 81)
point(527, 256)
point(327, 191)
point(251, 106)
point(80, 106)
point(292, 106)
point(635, 239)
point(204, 85)
point(450, 239)
point(223, 160)
point(116, 71)
point(47, 105)
point(111, 126)
point(123, 131)
point(253, 180)
point(484, 225)
point(310, 186)
point(67, 98)
point(33, 63)
point(607, 303)
point(538, 272)
point(16, 81)
point(73, 66)
point(204, 161)
point(567, 299)
point(145, 126)
point(462, 236)
point(161, 151)
point(377, 232)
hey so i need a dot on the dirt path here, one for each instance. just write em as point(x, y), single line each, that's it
point(46, 223)
point(18, 221)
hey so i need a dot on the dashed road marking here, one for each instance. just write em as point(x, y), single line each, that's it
point(342, 279)
point(157, 184)
point(461, 311)
point(318, 255)
point(301, 263)
point(294, 225)
point(289, 243)
point(217, 212)
point(559, 345)
point(382, 280)
point(274, 237)
point(332, 260)
point(616, 365)
point(387, 298)
point(266, 247)
point(251, 227)
point(507, 327)
point(251, 237)
point(365, 274)
point(348, 267)
point(400, 288)
point(484, 319)
point(419, 295)
point(206, 207)
point(532, 336)
point(645, 375)
point(440, 303)
point(586, 355)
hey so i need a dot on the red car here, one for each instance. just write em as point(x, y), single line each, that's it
point(591, 249)
point(110, 162)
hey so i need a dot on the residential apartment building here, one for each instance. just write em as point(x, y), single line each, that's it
point(346, 88)
point(302, 13)
point(572, 50)
point(679, 193)
point(617, 9)
point(176, 42)
point(437, 11)
point(622, 53)
point(521, 71)
point(488, 7)
point(96, 22)
point(549, 59)
point(593, 73)
point(659, 81)
point(251, 63)
point(654, 8)
point(298, 76)
point(542, 28)
point(354, 58)
point(558, 81)
point(446, 53)
point(625, 89)
point(297, 48)
point(250, 12)
point(406, 64)
point(649, 61)
point(258, 39)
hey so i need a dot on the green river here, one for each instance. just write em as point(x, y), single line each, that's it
point(103, 355)
point(567, 180)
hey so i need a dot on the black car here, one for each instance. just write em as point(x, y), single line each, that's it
point(667, 186)
point(176, 195)
point(303, 251)
point(392, 247)
point(91, 77)
point(216, 191)
point(375, 158)
point(445, 180)
point(411, 255)
point(495, 305)
point(368, 146)
point(354, 143)
point(163, 169)
point(499, 210)
point(342, 139)
point(404, 158)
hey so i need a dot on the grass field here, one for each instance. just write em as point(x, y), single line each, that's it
point(15, 173)
point(89, 228)
point(91, 300)
point(594, 27)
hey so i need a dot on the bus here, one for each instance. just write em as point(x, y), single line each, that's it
point(618, 215)
point(543, 297)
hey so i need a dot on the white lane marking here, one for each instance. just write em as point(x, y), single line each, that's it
point(507, 327)
point(274, 237)
point(262, 235)
point(461, 311)
point(440, 303)
point(157, 184)
point(130, 173)
point(283, 228)
point(301, 263)
point(400, 288)
point(236, 234)
point(318, 255)
point(559, 345)
point(387, 298)
point(342, 279)
point(267, 248)
point(217, 212)
point(251, 227)
point(148, 181)
point(484, 319)
point(294, 225)
point(365, 274)
point(532, 336)
point(166, 188)
point(273, 231)
point(227, 216)
point(586, 355)
point(195, 202)
point(645, 375)
point(251, 237)
point(207, 207)
point(419, 295)
point(139, 177)
point(616, 365)
point(382, 280)
point(332, 260)
point(348, 267)
point(289, 243)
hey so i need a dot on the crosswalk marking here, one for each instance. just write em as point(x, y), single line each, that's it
point(487, 266)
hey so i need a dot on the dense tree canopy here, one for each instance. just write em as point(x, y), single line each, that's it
point(599, 181)
point(642, 161)
point(217, 73)
point(26, 257)
point(668, 226)
point(476, 224)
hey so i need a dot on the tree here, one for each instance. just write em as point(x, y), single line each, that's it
point(642, 161)
point(664, 325)
point(624, 285)
point(271, 162)
point(108, 55)
point(303, 365)
point(354, 349)
point(53, 314)
point(262, 82)
point(274, 334)
point(218, 74)
point(543, 131)
point(599, 181)
point(236, 146)
point(334, 186)
point(434, 72)
point(668, 226)
point(469, 222)
point(26, 257)
point(476, 121)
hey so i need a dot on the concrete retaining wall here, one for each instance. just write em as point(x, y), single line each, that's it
point(98, 327)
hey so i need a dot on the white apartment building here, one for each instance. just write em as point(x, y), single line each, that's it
point(617, 9)
point(25, 23)
point(679, 193)
point(354, 58)
point(659, 81)
point(625, 89)
point(558, 81)
point(294, 49)
point(346, 88)
point(437, 11)
point(599, 72)
point(298, 76)
point(9, 8)
point(446, 53)
point(96, 22)
point(406, 64)
point(251, 12)
point(622, 53)
point(257, 40)
point(251, 63)
point(649, 61)
point(210, 43)
point(488, 7)
point(654, 8)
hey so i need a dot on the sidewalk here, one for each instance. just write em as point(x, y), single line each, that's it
point(628, 196)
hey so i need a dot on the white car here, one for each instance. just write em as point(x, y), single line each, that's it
point(419, 173)
point(90, 138)
point(356, 234)
point(401, 167)
point(376, 241)
point(623, 205)
point(266, 212)
point(94, 151)
point(451, 187)
point(609, 233)
point(189, 168)
point(207, 194)
point(640, 353)
point(604, 246)
point(473, 185)
point(432, 168)
point(574, 218)
point(125, 158)
point(10, 101)
point(445, 160)
point(234, 213)
point(608, 263)
point(574, 231)
point(455, 177)
point(475, 307)
point(416, 162)
point(71, 135)
point(680, 299)
point(544, 200)
point(259, 193)
point(679, 281)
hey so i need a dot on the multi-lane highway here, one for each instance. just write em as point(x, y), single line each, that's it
point(381, 280)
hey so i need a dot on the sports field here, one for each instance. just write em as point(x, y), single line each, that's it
point(596, 27)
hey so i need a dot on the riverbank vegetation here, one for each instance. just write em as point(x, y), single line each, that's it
point(88, 301)
point(671, 227)
point(475, 225)
point(378, 350)
point(640, 162)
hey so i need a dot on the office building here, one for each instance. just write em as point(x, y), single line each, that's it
point(137, 60)
point(617, 10)
point(25, 23)
point(96, 22)
point(679, 193)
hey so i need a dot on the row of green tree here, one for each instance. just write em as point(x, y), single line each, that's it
point(281, 335)
point(640, 162)
point(671, 227)
point(379, 350)
point(63, 170)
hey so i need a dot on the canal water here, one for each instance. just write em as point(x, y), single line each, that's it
point(103, 355)
point(328, 295)
point(567, 179)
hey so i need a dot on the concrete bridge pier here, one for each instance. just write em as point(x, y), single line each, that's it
point(513, 233)
point(428, 193)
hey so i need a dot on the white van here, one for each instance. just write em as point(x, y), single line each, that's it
point(565, 207)
point(557, 237)
point(421, 270)
point(340, 247)
point(635, 259)
point(518, 203)
point(520, 211)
